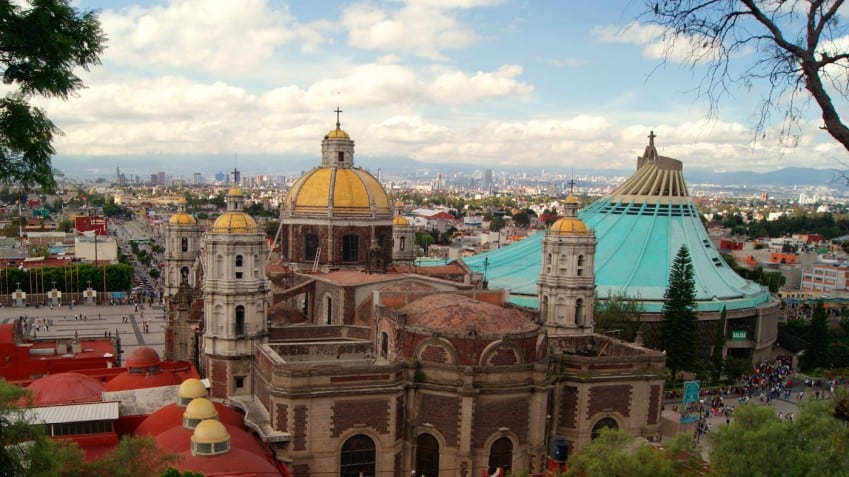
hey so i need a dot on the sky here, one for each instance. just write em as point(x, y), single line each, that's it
point(548, 84)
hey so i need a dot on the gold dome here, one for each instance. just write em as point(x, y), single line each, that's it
point(200, 408)
point(234, 191)
point(234, 222)
point(572, 199)
point(182, 218)
point(569, 226)
point(181, 200)
point(344, 192)
point(210, 431)
point(337, 134)
point(191, 388)
point(400, 221)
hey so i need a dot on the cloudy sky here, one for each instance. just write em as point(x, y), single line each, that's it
point(547, 83)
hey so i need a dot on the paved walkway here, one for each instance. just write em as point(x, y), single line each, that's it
point(95, 321)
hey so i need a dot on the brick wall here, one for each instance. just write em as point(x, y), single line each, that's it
point(281, 418)
point(399, 417)
point(503, 356)
point(347, 414)
point(654, 405)
point(568, 407)
point(443, 412)
point(491, 415)
point(299, 437)
point(219, 378)
point(300, 470)
point(434, 354)
point(610, 398)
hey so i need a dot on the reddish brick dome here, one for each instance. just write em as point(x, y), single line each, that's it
point(65, 388)
point(449, 312)
point(143, 357)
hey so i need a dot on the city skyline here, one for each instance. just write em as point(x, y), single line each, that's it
point(496, 83)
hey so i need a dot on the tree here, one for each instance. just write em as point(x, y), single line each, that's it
point(680, 324)
point(134, 457)
point(797, 52)
point(718, 347)
point(618, 313)
point(25, 450)
point(41, 44)
point(615, 453)
point(816, 353)
point(757, 441)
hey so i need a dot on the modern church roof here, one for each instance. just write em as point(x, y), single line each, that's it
point(640, 227)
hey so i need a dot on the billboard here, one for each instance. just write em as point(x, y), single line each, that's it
point(88, 223)
point(691, 410)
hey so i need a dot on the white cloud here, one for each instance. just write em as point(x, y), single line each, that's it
point(213, 36)
point(455, 86)
point(656, 44)
point(423, 28)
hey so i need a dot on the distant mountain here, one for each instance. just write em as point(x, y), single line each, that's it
point(788, 176)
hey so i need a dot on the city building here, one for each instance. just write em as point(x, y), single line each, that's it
point(347, 359)
point(641, 226)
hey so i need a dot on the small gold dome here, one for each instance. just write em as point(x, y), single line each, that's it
point(400, 221)
point(191, 388)
point(210, 431)
point(181, 200)
point(337, 134)
point(568, 226)
point(234, 191)
point(572, 199)
point(182, 218)
point(234, 222)
point(200, 408)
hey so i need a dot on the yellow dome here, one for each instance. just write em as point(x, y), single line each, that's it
point(400, 221)
point(568, 226)
point(337, 134)
point(200, 408)
point(210, 431)
point(347, 192)
point(181, 200)
point(182, 218)
point(572, 199)
point(234, 191)
point(234, 222)
point(191, 388)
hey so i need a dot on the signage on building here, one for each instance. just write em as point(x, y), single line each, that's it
point(738, 335)
point(691, 409)
point(87, 223)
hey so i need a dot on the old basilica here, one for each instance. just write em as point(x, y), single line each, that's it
point(347, 359)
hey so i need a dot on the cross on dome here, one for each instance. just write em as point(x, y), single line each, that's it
point(337, 111)
point(652, 135)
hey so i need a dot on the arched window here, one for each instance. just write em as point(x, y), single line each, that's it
point(402, 242)
point(427, 456)
point(328, 310)
point(358, 457)
point(239, 260)
point(184, 244)
point(579, 311)
point(310, 246)
point(602, 424)
point(501, 455)
point(240, 320)
point(384, 345)
point(580, 270)
point(184, 275)
point(351, 248)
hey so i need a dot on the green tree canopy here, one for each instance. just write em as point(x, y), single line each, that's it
point(758, 443)
point(680, 324)
point(42, 43)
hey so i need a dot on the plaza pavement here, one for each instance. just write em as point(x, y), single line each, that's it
point(100, 321)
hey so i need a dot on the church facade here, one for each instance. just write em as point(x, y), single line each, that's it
point(350, 363)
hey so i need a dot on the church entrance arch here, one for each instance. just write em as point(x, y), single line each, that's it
point(358, 457)
point(606, 423)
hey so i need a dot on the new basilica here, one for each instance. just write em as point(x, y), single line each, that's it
point(347, 359)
